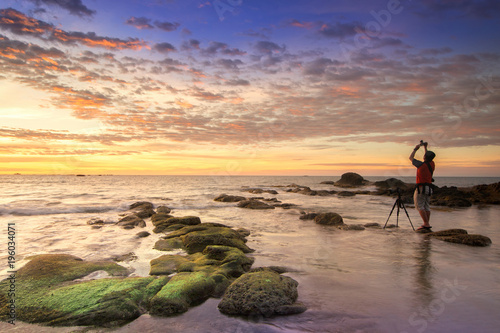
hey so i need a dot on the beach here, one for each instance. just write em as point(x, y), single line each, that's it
point(372, 280)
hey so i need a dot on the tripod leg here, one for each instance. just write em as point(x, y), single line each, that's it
point(397, 216)
point(394, 206)
point(408, 216)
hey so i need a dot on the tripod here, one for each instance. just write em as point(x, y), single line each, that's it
point(400, 204)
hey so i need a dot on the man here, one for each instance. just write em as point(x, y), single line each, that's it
point(423, 190)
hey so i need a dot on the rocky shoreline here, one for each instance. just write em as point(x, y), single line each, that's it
point(64, 290)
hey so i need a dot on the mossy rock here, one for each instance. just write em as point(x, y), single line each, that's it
point(169, 244)
point(161, 225)
point(261, 292)
point(181, 292)
point(329, 219)
point(167, 264)
point(196, 238)
point(50, 296)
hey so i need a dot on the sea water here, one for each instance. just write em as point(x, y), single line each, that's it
point(375, 280)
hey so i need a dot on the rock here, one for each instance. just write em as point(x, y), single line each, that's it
point(141, 205)
point(461, 236)
point(181, 292)
point(260, 191)
point(346, 194)
point(229, 198)
point(196, 238)
point(350, 179)
point(372, 225)
point(160, 218)
point(328, 182)
point(125, 257)
point(261, 292)
point(142, 234)
point(329, 219)
point(163, 210)
point(254, 204)
point(161, 225)
point(308, 216)
point(95, 221)
point(351, 227)
point(50, 295)
point(131, 221)
point(392, 184)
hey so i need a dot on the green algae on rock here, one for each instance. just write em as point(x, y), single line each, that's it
point(261, 292)
point(196, 237)
point(50, 296)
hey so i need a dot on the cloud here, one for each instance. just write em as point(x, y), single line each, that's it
point(20, 24)
point(140, 23)
point(74, 7)
point(298, 24)
point(164, 47)
point(146, 23)
point(339, 30)
point(478, 9)
point(221, 48)
point(266, 47)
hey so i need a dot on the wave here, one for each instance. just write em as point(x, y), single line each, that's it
point(51, 210)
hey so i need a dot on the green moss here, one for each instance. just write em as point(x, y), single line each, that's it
point(181, 292)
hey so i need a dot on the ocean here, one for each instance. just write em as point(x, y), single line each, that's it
point(374, 280)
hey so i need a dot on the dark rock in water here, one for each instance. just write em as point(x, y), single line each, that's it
point(261, 292)
point(461, 236)
point(351, 227)
point(308, 216)
point(260, 191)
point(95, 221)
point(229, 198)
point(163, 210)
point(393, 184)
point(125, 257)
point(141, 204)
point(372, 225)
point(142, 209)
point(254, 204)
point(450, 197)
point(142, 234)
point(328, 182)
point(346, 194)
point(162, 224)
point(131, 221)
point(351, 179)
point(329, 219)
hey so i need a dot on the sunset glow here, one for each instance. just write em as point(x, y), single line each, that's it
point(308, 88)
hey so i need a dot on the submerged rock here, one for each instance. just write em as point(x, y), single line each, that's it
point(254, 204)
point(261, 292)
point(461, 236)
point(229, 198)
point(329, 219)
point(131, 221)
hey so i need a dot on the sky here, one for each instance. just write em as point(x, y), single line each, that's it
point(240, 87)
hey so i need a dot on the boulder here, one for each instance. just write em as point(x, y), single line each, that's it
point(95, 221)
point(392, 184)
point(131, 221)
point(54, 291)
point(162, 224)
point(261, 292)
point(229, 198)
point(196, 238)
point(142, 234)
point(254, 204)
point(308, 216)
point(181, 292)
point(329, 219)
point(163, 210)
point(351, 227)
point(461, 236)
point(142, 209)
point(351, 179)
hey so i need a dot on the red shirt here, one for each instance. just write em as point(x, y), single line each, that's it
point(424, 175)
